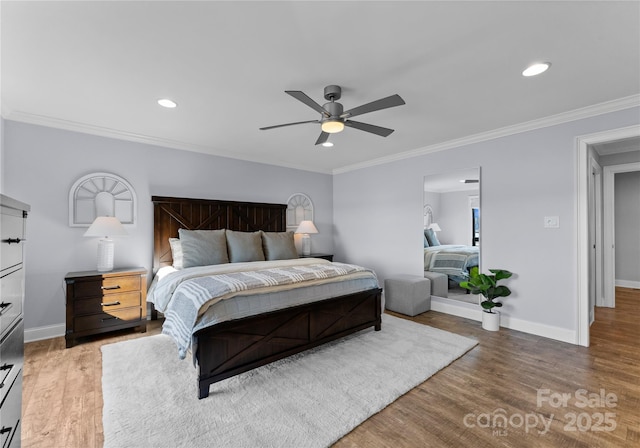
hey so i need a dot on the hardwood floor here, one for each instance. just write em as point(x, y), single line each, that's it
point(506, 374)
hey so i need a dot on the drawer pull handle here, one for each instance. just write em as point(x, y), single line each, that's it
point(4, 306)
point(5, 367)
point(110, 303)
point(5, 430)
point(107, 288)
point(12, 240)
point(109, 318)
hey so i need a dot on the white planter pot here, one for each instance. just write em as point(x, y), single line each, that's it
point(491, 321)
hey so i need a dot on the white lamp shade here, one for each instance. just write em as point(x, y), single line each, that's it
point(306, 227)
point(435, 227)
point(106, 226)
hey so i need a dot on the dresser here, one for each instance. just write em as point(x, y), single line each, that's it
point(101, 302)
point(13, 216)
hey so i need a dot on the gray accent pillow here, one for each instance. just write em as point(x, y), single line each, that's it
point(203, 247)
point(244, 246)
point(279, 245)
point(176, 252)
point(431, 237)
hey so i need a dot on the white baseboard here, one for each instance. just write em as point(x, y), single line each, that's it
point(546, 331)
point(472, 311)
point(47, 332)
point(628, 284)
point(456, 308)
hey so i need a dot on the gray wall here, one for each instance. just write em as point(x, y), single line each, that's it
point(627, 226)
point(525, 177)
point(41, 165)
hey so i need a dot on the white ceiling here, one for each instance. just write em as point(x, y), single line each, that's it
point(99, 67)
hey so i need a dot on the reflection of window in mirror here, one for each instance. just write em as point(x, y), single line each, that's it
point(474, 204)
point(475, 227)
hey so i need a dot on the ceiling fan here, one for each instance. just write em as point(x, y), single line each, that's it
point(333, 117)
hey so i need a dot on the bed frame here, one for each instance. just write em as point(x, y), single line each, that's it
point(233, 347)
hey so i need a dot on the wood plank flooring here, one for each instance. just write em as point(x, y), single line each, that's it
point(503, 375)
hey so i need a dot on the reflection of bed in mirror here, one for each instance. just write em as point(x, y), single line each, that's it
point(452, 260)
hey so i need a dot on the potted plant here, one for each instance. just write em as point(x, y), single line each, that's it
point(487, 285)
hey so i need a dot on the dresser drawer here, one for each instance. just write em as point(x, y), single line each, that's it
point(109, 285)
point(107, 303)
point(105, 320)
point(12, 226)
point(11, 360)
point(11, 414)
point(11, 293)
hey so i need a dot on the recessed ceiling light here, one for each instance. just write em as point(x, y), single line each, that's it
point(536, 69)
point(327, 144)
point(165, 102)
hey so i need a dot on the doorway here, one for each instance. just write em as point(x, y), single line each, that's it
point(585, 210)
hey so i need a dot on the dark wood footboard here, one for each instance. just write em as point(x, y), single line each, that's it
point(230, 348)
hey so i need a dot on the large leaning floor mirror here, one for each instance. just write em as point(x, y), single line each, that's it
point(452, 233)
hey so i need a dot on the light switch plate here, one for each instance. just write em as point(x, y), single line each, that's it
point(551, 221)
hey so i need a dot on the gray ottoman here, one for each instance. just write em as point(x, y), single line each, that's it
point(439, 283)
point(407, 294)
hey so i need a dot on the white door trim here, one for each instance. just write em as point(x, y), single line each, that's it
point(582, 222)
point(609, 236)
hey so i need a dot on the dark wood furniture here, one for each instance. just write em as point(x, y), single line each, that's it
point(100, 302)
point(13, 217)
point(233, 347)
point(324, 256)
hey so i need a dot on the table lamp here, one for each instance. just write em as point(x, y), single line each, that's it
point(305, 228)
point(105, 227)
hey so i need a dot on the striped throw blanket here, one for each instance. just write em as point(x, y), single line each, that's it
point(194, 296)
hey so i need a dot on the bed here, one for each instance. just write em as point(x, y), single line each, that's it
point(298, 316)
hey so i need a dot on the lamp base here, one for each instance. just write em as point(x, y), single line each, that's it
point(105, 255)
point(306, 244)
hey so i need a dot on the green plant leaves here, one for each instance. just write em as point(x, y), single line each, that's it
point(487, 285)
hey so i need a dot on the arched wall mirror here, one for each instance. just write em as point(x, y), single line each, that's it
point(452, 233)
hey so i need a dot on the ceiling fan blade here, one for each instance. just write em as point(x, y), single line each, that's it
point(384, 103)
point(301, 96)
point(383, 132)
point(289, 124)
point(324, 136)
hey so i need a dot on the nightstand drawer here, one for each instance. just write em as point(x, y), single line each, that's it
point(101, 302)
point(104, 320)
point(107, 303)
point(110, 285)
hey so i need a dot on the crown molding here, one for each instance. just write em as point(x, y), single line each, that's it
point(573, 115)
point(552, 120)
point(74, 126)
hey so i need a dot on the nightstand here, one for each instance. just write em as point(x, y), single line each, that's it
point(100, 302)
point(325, 256)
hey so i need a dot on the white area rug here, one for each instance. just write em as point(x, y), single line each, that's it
point(308, 400)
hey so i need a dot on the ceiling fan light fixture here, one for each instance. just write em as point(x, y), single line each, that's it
point(332, 126)
point(327, 144)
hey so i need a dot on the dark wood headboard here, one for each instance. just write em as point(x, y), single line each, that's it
point(171, 214)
